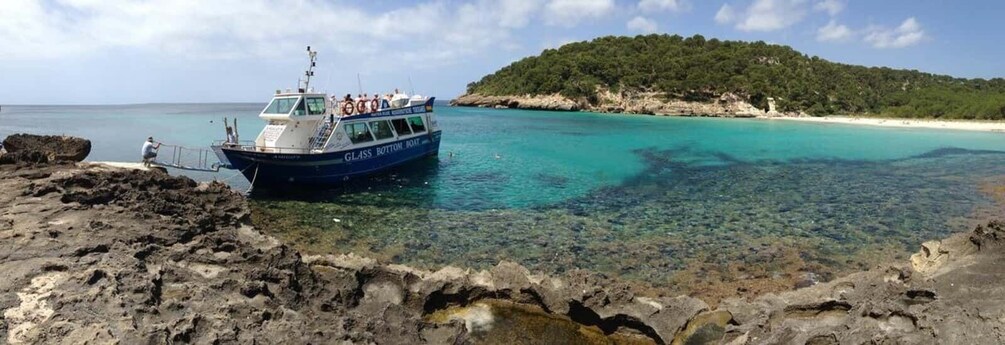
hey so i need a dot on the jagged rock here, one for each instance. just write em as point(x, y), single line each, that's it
point(509, 276)
point(989, 236)
point(30, 148)
point(931, 257)
point(705, 328)
point(30, 157)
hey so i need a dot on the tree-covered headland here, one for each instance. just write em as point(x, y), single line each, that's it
point(699, 69)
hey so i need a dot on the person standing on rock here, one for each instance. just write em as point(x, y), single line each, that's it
point(149, 151)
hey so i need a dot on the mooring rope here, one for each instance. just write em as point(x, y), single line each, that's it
point(241, 172)
point(253, 178)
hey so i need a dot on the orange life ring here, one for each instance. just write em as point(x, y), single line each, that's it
point(347, 108)
point(361, 106)
point(374, 105)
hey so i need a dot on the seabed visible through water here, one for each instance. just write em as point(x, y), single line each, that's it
point(714, 231)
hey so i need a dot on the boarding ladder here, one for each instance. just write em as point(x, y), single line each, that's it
point(186, 158)
point(323, 132)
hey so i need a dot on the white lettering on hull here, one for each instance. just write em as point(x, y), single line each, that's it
point(381, 150)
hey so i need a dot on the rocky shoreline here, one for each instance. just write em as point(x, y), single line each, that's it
point(101, 255)
point(650, 103)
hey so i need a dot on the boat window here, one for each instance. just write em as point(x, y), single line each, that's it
point(399, 101)
point(401, 127)
point(316, 105)
point(358, 133)
point(300, 110)
point(381, 129)
point(281, 105)
point(417, 125)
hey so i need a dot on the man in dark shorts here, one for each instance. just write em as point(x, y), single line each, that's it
point(149, 151)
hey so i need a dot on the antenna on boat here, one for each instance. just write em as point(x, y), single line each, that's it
point(328, 80)
point(410, 86)
point(310, 69)
point(359, 83)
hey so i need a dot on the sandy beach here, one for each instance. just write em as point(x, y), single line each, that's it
point(966, 125)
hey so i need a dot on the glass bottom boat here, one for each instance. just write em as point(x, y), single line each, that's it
point(312, 139)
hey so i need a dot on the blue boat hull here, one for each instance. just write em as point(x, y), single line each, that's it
point(267, 169)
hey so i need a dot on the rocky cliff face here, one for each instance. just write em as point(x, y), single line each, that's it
point(657, 103)
point(551, 102)
point(652, 103)
point(94, 254)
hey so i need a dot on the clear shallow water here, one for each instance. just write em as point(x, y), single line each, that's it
point(662, 200)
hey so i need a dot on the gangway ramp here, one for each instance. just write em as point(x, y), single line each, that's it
point(186, 158)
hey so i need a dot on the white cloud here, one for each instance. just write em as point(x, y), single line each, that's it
point(771, 15)
point(663, 5)
point(832, 7)
point(570, 12)
point(834, 32)
point(725, 15)
point(556, 44)
point(433, 31)
point(907, 34)
point(764, 15)
point(516, 13)
point(642, 24)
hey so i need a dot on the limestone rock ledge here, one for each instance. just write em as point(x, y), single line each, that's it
point(651, 103)
point(552, 102)
point(103, 255)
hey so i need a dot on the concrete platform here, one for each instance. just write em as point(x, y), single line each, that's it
point(127, 165)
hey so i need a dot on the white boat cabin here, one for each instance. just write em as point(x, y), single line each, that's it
point(302, 121)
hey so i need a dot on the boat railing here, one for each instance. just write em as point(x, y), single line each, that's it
point(228, 143)
point(187, 158)
point(250, 146)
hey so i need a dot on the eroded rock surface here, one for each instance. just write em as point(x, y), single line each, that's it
point(950, 293)
point(93, 254)
point(551, 102)
point(29, 148)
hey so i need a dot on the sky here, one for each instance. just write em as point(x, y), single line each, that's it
point(201, 51)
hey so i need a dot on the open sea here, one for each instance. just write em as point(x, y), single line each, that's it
point(667, 201)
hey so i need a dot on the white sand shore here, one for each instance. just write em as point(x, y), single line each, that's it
point(967, 125)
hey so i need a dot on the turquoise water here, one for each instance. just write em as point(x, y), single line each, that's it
point(118, 131)
point(635, 196)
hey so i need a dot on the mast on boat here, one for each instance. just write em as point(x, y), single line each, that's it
point(310, 70)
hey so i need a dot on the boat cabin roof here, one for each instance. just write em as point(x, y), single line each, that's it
point(290, 105)
point(295, 94)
